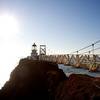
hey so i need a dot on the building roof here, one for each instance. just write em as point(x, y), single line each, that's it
point(34, 45)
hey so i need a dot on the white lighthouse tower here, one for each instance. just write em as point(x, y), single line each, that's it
point(34, 54)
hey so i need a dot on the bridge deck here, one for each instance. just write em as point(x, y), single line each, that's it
point(91, 62)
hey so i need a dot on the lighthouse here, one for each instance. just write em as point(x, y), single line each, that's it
point(34, 54)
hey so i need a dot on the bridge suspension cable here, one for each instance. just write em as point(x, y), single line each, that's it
point(87, 47)
point(91, 50)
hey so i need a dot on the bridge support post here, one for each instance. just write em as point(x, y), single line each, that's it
point(42, 52)
point(77, 61)
point(93, 65)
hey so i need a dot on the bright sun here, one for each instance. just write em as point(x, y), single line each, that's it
point(10, 47)
point(8, 25)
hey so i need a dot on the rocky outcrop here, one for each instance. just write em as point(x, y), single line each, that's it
point(79, 87)
point(33, 80)
point(41, 80)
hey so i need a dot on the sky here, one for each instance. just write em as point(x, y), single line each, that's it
point(63, 26)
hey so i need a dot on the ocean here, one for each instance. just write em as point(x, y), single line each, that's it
point(69, 70)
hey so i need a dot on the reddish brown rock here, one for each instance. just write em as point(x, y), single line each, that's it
point(40, 80)
point(79, 87)
point(32, 80)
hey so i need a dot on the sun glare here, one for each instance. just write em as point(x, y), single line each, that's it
point(8, 26)
point(10, 47)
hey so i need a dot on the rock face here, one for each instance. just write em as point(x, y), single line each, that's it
point(79, 87)
point(33, 80)
point(40, 80)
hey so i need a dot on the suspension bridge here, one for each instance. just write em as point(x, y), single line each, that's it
point(84, 58)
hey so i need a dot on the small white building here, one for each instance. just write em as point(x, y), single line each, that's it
point(34, 54)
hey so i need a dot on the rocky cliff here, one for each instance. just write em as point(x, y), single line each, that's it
point(35, 80)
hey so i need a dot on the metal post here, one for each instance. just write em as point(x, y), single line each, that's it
point(77, 52)
point(93, 49)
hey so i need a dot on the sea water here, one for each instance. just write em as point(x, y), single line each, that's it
point(69, 70)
